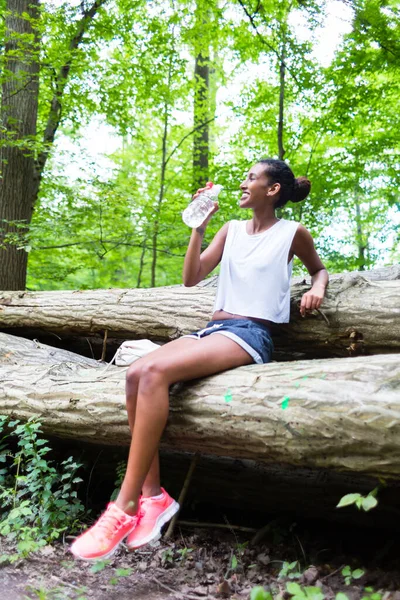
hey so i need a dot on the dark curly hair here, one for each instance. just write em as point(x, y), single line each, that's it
point(291, 188)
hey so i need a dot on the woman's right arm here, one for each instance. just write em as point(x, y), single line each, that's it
point(197, 266)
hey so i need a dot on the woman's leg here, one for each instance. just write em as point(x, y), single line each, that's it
point(183, 360)
point(151, 485)
point(190, 359)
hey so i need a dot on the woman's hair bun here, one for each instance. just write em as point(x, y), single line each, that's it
point(302, 187)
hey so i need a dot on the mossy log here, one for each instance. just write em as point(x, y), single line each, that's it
point(339, 414)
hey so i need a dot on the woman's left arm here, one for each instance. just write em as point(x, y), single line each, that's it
point(303, 247)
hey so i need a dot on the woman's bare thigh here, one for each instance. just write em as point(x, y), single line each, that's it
point(188, 358)
point(178, 345)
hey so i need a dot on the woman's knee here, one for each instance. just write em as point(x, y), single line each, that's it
point(152, 374)
point(133, 375)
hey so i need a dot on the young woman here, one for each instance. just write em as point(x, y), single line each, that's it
point(253, 292)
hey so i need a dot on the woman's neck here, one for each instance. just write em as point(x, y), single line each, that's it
point(262, 221)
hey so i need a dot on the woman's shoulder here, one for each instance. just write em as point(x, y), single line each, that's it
point(234, 225)
point(291, 223)
point(302, 236)
point(292, 227)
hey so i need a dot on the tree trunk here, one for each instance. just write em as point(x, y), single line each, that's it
point(263, 490)
point(340, 414)
point(360, 238)
point(18, 113)
point(157, 212)
point(358, 316)
point(282, 67)
point(21, 170)
point(201, 104)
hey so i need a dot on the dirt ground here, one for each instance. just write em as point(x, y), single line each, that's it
point(214, 563)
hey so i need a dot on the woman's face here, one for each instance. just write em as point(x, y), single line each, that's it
point(257, 190)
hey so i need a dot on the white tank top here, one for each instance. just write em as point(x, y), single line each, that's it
point(254, 280)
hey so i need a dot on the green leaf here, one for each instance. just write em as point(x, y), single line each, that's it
point(258, 593)
point(341, 596)
point(234, 562)
point(99, 565)
point(123, 572)
point(348, 499)
point(357, 573)
point(346, 571)
point(314, 593)
point(369, 502)
point(294, 589)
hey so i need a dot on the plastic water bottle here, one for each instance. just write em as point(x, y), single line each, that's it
point(198, 210)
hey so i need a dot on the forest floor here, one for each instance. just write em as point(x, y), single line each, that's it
point(214, 563)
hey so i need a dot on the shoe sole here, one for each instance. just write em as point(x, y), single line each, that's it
point(103, 556)
point(155, 533)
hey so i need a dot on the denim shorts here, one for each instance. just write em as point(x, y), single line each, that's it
point(252, 336)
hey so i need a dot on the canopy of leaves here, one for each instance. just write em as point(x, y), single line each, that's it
point(120, 226)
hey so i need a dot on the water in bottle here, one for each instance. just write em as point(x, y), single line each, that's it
point(198, 210)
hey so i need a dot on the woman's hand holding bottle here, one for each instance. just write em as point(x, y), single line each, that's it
point(202, 207)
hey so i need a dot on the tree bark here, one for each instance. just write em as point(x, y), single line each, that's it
point(157, 212)
point(201, 103)
point(18, 114)
point(341, 414)
point(21, 170)
point(282, 68)
point(358, 316)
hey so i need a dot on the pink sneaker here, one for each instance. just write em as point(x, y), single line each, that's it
point(102, 540)
point(153, 513)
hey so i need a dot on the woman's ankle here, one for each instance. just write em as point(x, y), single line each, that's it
point(130, 507)
point(151, 490)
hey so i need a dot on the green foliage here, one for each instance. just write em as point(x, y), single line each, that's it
point(290, 570)
point(167, 556)
point(349, 575)
point(119, 225)
point(39, 500)
point(54, 593)
point(120, 471)
point(304, 593)
point(365, 503)
point(370, 594)
point(259, 593)
point(99, 565)
point(183, 554)
point(296, 591)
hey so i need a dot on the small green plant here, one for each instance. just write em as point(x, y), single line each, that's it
point(259, 593)
point(118, 573)
point(236, 557)
point(39, 501)
point(349, 575)
point(290, 570)
point(167, 556)
point(99, 566)
point(341, 596)
point(183, 554)
point(120, 472)
point(56, 593)
point(371, 595)
point(304, 593)
point(362, 502)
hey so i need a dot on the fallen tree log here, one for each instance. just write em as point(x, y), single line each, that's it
point(340, 414)
point(359, 316)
